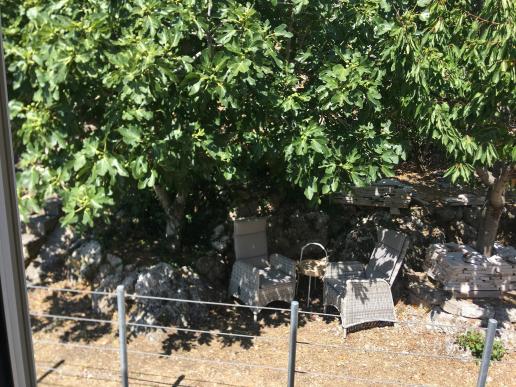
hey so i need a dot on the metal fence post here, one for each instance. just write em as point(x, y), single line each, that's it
point(486, 355)
point(294, 309)
point(120, 296)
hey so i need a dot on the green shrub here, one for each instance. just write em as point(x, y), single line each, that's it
point(475, 341)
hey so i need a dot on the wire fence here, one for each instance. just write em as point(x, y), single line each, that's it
point(292, 370)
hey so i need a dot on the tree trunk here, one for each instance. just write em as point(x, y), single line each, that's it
point(488, 229)
point(175, 212)
point(495, 203)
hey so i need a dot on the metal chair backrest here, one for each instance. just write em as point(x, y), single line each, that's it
point(250, 238)
point(387, 257)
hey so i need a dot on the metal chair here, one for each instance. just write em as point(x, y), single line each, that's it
point(256, 278)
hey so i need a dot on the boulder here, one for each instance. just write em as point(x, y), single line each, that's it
point(56, 248)
point(463, 232)
point(115, 262)
point(290, 231)
point(213, 267)
point(505, 313)
point(103, 271)
point(220, 245)
point(108, 281)
point(34, 273)
point(441, 321)
point(31, 245)
point(162, 280)
point(85, 261)
point(219, 240)
point(41, 225)
point(466, 308)
point(218, 232)
point(472, 216)
point(129, 281)
point(105, 305)
point(506, 252)
point(423, 293)
point(53, 207)
point(51, 257)
point(447, 214)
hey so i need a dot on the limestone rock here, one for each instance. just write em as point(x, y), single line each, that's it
point(58, 245)
point(289, 232)
point(53, 207)
point(222, 244)
point(441, 321)
point(423, 292)
point(41, 225)
point(115, 262)
point(31, 245)
point(106, 304)
point(219, 240)
point(468, 309)
point(472, 216)
point(505, 313)
point(85, 260)
point(214, 268)
point(447, 214)
point(34, 273)
point(162, 280)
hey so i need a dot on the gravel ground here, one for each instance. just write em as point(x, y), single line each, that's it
point(374, 356)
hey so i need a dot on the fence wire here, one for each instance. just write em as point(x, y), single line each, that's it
point(136, 296)
point(66, 290)
point(81, 319)
point(209, 361)
point(152, 326)
point(88, 347)
point(385, 351)
point(218, 362)
point(427, 325)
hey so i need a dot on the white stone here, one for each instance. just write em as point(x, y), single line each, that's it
point(468, 309)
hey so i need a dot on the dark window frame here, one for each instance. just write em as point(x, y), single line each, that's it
point(13, 293)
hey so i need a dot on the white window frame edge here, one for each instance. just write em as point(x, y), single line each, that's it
point(12, 271)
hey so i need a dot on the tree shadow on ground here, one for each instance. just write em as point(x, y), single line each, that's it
point(237, 321)
point(71, 330)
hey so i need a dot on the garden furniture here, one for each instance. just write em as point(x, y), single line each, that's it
point(256, 278)
point(363, 294)
point(311, 268)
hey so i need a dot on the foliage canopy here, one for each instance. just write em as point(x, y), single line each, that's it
point(316, 94)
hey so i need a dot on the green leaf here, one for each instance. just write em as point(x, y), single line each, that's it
point(79, 162)
point(103, 166)
point(423, 3)
point(281, 30)
point(194, 89)
point(130, 135)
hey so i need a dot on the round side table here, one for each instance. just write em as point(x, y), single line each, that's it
point(311, 268)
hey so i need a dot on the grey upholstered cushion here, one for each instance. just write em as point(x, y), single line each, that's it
point(250, 238)
point(270, 277)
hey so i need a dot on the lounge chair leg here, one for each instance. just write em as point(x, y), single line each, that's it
point(255, 315)
point(325, 308)
point(345, 332)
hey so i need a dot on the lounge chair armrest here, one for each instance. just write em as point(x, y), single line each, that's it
point(344, 270)
point(378, 282)
point(248, 274)
point(284, 264)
